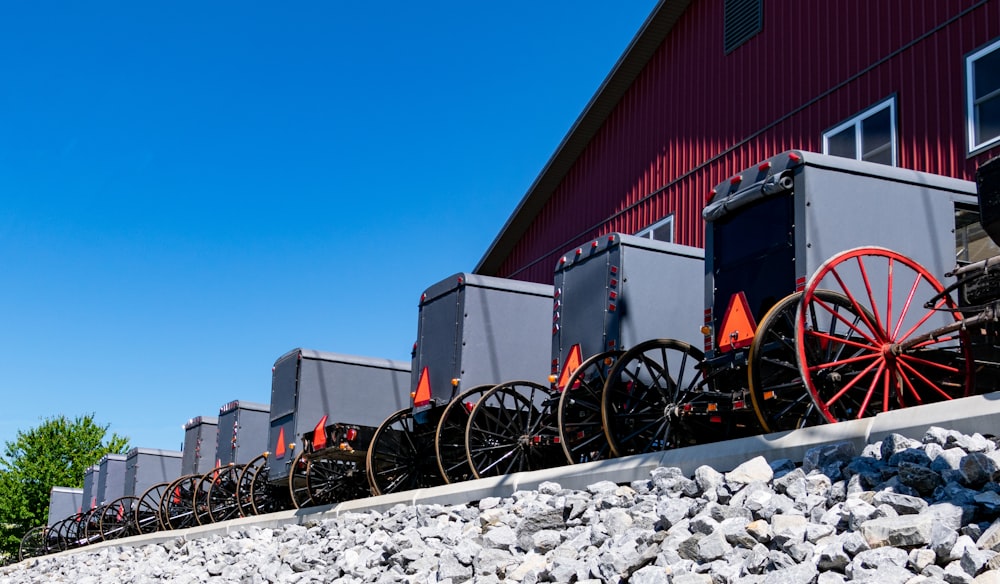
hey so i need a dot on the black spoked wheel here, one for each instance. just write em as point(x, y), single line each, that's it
point(147, 517)
point(298, 490)
point(780, 398)
point(245, 499)
point(265, 497)
point(449, 442)
point(116, 520)
point(178, 504)
point(649, 389)
point(222, 498)
point(332, 480)
point(581, 430)
point(92, 525)
point(71, 531)
point(401, 455)
point(200, 496)
point(35, 543)
point(513, 428)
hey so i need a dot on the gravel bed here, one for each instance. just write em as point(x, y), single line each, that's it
point(902, 511)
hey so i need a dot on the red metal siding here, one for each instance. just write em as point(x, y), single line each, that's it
point(695, 116)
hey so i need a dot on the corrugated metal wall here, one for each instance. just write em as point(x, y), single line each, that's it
point(695, 116)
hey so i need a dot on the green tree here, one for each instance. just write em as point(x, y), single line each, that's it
point(53, 454)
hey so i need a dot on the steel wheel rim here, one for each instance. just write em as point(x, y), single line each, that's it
point(116, 519)
point(581, 426)
point(332, 481)
point(222, 496)
point(499, 438)
point(401, 455)
point(449, 440)
point(779, 396)
point(297, 488)
point(147, 516)
point(637, 403)
point(178, 504)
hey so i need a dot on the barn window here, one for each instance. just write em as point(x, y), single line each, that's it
point(662, 230)
point(982, 77)
point(744, 19)
point(870, 135)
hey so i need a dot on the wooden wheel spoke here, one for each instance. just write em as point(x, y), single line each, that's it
point(930, 384)
point(871, 295)
point(852, 382)
point(857, 308)
point(925, 318)
point(906, 306)
point(850, 325)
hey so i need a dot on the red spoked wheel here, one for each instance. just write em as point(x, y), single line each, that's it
point(900, 352)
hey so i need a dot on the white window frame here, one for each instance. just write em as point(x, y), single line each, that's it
point(648, 231)
point(970, 91)
point(856, 122)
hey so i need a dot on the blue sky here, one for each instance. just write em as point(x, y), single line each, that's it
point(190, 189)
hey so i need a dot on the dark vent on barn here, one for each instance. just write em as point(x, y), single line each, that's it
point(743, 20)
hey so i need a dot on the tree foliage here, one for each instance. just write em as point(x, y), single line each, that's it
point(53, 454)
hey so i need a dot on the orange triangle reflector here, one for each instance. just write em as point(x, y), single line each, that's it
point(573, 361)
point(422, 396)
point(319, 435)
point(738, 325)
point(279, 448)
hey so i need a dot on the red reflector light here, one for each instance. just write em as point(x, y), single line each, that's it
point(715, 419)
point(739, 405)
point(688, 407)
point(613, 283)
point(593, 245)
point(562, 260)
point(613, 295)
point(794, 157)
point(611, 239)
point(536, 439)
point(579, 251)
point(352, 433)
point(555, 440)
point(613, 269)
point(611, 308)
point(469, 406)
point(764, 166)
point(736, 180)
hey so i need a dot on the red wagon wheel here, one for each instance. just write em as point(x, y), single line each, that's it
point(901, 353)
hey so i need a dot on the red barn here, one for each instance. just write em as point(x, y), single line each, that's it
point(710, 87)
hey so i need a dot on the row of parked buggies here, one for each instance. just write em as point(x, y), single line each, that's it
point(815, 300)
